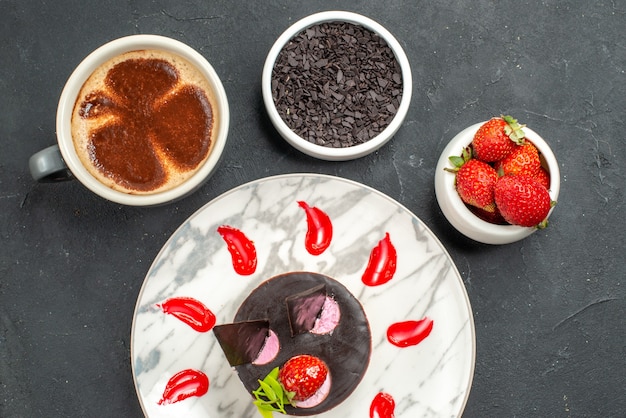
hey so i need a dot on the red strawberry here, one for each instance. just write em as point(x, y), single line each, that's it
point(475, 181)
point(524, 159)
point(496, 138)
point(543, 177)
point(522, 200)
point(303, 375)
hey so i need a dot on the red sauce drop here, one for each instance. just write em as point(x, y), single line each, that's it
point(382, 263)
point(190, 311)
point(408, 333)
point(382, 406)
point(241, 248)
point(319, 229)
point(183, 385)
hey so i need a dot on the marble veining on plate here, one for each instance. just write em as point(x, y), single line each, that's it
point(431, 379)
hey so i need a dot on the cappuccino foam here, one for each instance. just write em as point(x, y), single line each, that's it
point(144, 122)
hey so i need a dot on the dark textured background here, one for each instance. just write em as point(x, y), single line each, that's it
point(549, 310)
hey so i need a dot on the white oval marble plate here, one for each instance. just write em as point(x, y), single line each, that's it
point(430, 379)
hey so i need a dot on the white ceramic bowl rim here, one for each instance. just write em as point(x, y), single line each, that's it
point(328, 152)
point(457, 212)
point(84, 70)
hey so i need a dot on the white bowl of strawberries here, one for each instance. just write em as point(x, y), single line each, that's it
point(497, 181)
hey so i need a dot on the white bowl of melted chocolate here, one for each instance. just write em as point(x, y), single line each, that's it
point(143, 120)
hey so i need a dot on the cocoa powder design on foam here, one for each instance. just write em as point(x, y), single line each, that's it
point(143, 123)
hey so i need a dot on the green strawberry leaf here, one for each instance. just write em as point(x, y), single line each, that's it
point(273, 374)
point(270, 395)
point(467, 153)
point(457, 161)
point(274, 385)
point(268, 391)
point(265, 413)
point(513, 129)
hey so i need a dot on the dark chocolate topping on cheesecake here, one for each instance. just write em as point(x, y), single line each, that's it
point(346, 350)
point(304, 308)
point(242, 341)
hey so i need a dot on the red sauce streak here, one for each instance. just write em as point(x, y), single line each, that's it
point(319, 229)
point(183, 385)
point(241, 250)
point(190, 311)
point(382, 264)
point(405, 334)
point(382, 406)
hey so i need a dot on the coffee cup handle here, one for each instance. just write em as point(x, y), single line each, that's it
point(47, 166)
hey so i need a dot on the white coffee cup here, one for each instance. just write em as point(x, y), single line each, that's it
point(61, 161)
